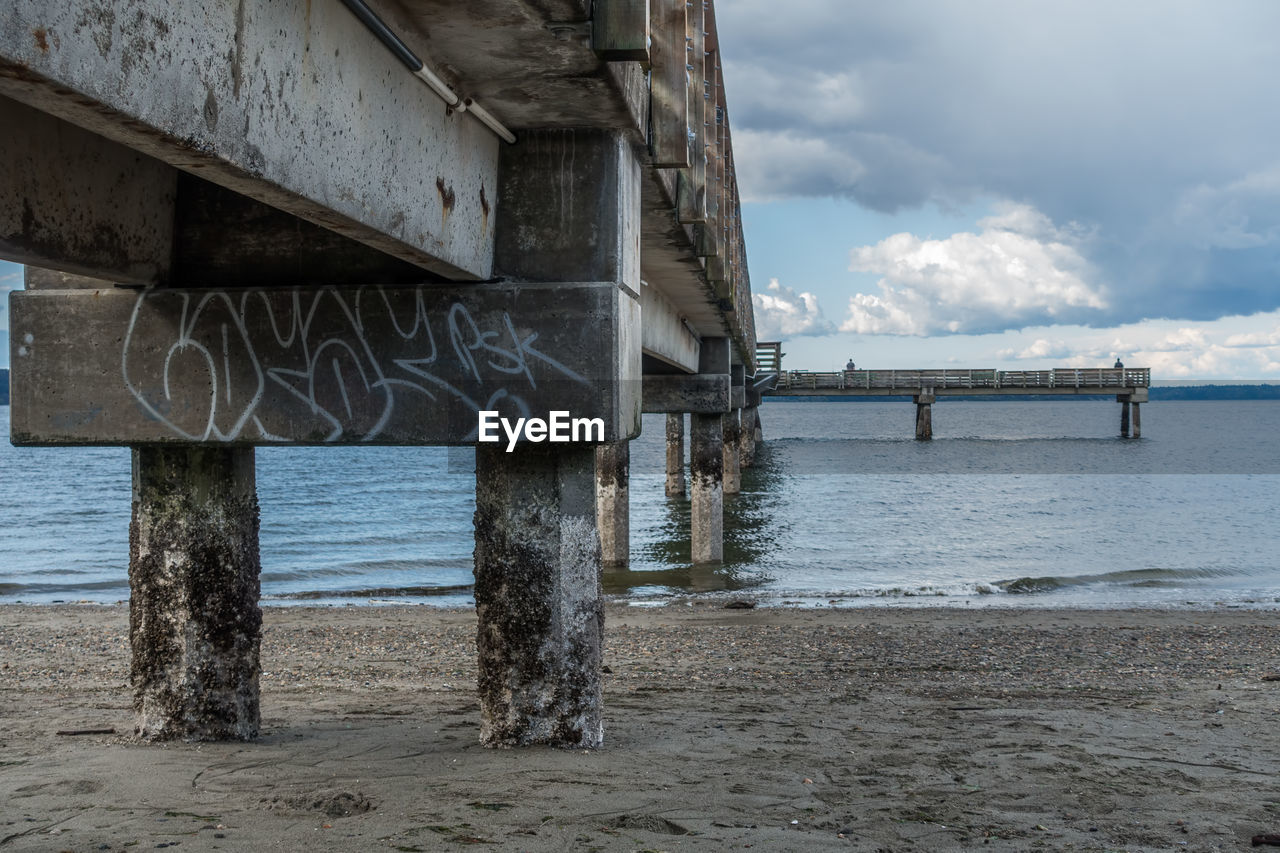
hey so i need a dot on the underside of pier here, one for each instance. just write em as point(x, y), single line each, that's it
point(274, 222)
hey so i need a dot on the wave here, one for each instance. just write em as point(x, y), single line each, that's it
point(1154, 577)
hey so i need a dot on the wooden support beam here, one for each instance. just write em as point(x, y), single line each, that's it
point(620, 30)
point(669, 87)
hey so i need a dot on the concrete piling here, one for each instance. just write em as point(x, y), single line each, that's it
point(194, 623)
point(613, 503)
point(747, 437)
point(924, 416)
point(537, 590)
point(1124, 418)
point(675, 456)
point(706, 479)
point(1137, 420)
point(731, 447)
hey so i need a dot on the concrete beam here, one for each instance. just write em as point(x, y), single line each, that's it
point(223, 237)
point(35, 278)
point(678, 394)
point(72, 201)
point(665, 335)
point(573, 209)
point(714, 356)
point(290, 102)
point(324, 366)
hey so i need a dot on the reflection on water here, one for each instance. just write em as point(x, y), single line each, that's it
point(753, 522)
point(1018, 503)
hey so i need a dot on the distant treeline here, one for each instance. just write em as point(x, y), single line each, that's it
point(1170, 392)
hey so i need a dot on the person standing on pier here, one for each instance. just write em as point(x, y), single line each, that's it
point(850, 365)
point(1119, 365)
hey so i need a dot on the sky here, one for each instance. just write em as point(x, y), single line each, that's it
point(991, 183)
point(10, 279)
point(1009, 184)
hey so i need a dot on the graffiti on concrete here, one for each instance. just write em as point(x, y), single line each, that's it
point(322, 365)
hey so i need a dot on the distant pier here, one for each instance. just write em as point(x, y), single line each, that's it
point(1129, 385)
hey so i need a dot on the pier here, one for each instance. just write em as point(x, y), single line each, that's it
point(344, 222)
point(1129, 385)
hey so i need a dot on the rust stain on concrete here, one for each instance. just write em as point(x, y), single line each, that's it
point(42, 39)
point(447, 198)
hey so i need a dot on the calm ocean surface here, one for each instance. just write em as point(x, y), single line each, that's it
point(1013, 503)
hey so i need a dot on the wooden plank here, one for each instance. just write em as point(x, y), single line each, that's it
point(620, 30)
point(669, 87)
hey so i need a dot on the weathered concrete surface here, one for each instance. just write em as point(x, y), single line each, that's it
point(1137, 420)
point(675, 456)
point(572, 210)
point(73, 200)
point(541, 625)
point(666, 337)
point(706, 485)
point(194, 621)
point(290, 102)
point(357, 365)
point(738, 394)
point(714, 356)
point(35, 278)
point(731, 445)
point(707, 394)
point(747, 436)
point(613, 502)
point(1124, 418)
point(225, 239)
point(924, 421)
point(530, 62)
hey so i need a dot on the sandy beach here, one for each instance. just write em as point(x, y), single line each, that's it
point(773, 729)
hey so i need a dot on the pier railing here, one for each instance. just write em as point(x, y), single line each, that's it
point(768, 356)
point(1102, 378)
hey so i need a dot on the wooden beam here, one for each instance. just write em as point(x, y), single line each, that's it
point(669, 87)
point(620, 30)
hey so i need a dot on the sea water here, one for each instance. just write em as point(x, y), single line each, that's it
point(1016, 503)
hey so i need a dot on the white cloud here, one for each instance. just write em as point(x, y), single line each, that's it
point(1142, 122)
point(1040, 348)
point(1254, 339)
point(1181, 340)
point(782, 313)
point(1019, 270)
point(1230, 348)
